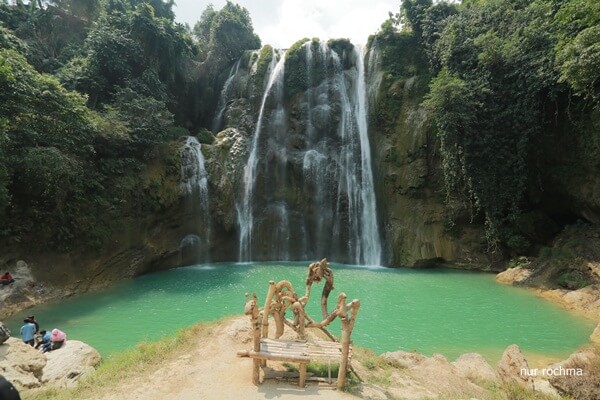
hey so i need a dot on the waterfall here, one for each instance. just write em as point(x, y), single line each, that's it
point(308, 189)
point(370, 239)
point(194, 183)
point(222, 105)
point(245, 209)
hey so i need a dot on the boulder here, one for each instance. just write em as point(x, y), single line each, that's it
point(4, 333)
point(440, 376)
point(513, 276)
point(474, 366)
point(65, 366)
point(404, 359)
point(513, 367)
point(21, 364)
point(577, 376)
point(545, 387)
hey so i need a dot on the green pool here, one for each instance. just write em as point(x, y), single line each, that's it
point(445, 311)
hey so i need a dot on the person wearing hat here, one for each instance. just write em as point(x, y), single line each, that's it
point(7, 390)
point(28, 332)
point(57, 339)
point(33, 321)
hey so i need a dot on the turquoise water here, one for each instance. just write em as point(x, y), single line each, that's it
point(444, 311)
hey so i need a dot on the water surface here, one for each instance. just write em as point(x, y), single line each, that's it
point(444, 311)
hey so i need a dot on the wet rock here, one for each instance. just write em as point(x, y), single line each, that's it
point(474, 366)
point(513, 367)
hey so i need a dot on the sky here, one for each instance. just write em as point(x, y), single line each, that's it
point(280, 23)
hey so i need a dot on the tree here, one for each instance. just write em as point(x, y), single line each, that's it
point(578, 49)
point(495, 70)
point(225, 34)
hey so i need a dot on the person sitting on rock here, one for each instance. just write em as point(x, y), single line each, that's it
point(28, 332)
point(57, 339)
point(6, 279)
point(46, 339)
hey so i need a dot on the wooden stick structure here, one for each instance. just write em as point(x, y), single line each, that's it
point(281, 297)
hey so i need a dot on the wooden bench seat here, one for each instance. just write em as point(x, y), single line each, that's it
point(297, 351)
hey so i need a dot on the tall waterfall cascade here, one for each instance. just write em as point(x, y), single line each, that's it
point(194, 184)
point(244, 210)
point(307, 189)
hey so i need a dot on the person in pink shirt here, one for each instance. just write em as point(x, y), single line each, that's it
point(57, 339)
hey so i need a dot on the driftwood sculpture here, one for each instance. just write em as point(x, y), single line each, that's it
point(281, 297)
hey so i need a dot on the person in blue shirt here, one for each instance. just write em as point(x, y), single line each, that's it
point(45, 339)
point(28, 332)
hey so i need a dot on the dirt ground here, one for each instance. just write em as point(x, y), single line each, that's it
point(213, 371)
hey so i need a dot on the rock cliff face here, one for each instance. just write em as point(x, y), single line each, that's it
point(410, 189)
point(142, 245)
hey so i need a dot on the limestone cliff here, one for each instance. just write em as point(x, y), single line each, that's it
point(410, 189)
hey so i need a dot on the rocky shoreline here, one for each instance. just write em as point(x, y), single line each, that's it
point(584, 301)
point(397, 374)
point(425, 376)
point(28, 369)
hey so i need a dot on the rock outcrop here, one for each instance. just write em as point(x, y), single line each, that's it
point(513, 367)
point(595, 336)
point(27, 368)
point(513, 276)
point(4, 333)
point(474, 367)
point(584, 300)
point(418, 376)
point(579, 375)
point(65, 366)
point(21, 364)
point(404, 359)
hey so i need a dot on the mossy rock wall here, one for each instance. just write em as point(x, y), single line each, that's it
point(410, 187)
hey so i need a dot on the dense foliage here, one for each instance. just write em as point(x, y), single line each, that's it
point(91, 94)
point(498, 67)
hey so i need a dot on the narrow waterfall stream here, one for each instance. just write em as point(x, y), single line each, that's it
point(370, 241)
point(194, 184)
point(245, 209)
point(222, 105)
